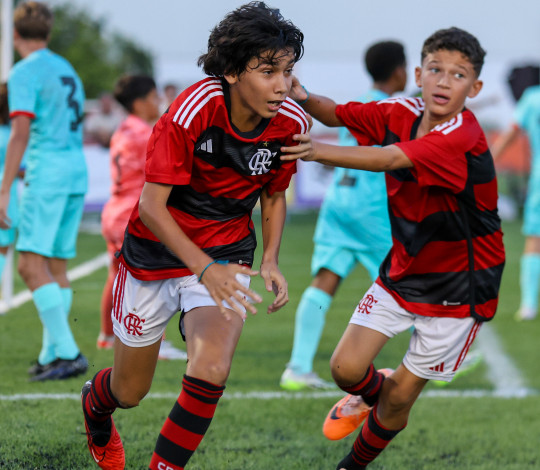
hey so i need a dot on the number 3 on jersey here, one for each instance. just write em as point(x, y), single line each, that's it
point(72, 103)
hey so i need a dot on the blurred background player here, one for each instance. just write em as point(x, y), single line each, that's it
point(352, 227)
point(100, 124)
point(170, 92)
point(138, 96)
point(527, 120)
point(7, 236)
point(46, 100)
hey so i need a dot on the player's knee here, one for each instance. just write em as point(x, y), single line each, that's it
point(344, 372)
point(129, 397)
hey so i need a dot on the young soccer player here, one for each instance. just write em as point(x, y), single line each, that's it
point(443, 272)
point(190, 241)
point(527, 120)
point(7, 236)
point(138, 96)
point(352, 228)
point(46, 101)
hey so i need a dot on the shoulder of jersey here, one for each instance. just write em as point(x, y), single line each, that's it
point(414, 105)
point(194, 99)
point(293, 110)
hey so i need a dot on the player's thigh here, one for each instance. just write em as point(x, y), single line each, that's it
point(133, 371)
point(40, 218)
point(337, 259)
point(211, 340)
point(65, 243)
point(439, 345)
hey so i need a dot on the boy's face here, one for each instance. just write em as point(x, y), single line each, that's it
point(148, 106)
point(447, 78)
point(259, 92)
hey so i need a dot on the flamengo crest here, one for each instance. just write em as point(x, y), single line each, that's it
point(260, 162)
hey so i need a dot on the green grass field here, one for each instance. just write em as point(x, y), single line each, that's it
point(464, 426)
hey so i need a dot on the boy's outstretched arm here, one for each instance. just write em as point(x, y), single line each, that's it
point(320, 107)
point(220, 280)
point(386, 158)
point(273, 212)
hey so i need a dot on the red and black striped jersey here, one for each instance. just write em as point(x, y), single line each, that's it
point(447, 255)
point(217, 174)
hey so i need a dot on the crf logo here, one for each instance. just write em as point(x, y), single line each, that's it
point(261, 161)
point(133, 324)
point(163, 466)
point(366, 304)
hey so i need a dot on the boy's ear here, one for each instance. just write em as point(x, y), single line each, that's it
point(231, 79)
point(418, 76)
point(475, 88)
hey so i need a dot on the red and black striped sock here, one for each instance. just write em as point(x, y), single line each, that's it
point(371, 441)
point(100, 403)
point(187, 423)
point(369, 387)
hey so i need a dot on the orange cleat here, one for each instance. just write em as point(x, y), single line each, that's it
point(111, 455)
point(347, 414)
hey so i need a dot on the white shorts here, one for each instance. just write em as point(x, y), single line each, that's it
point(438, 345)
point(142, 309)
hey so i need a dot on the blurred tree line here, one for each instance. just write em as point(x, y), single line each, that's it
point(98, 57)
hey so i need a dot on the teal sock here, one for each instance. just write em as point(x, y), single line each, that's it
point(2, 264)
point(48, 353)
point(67, 297)
point(309, 324)
point(50, 305)
point(530, 280)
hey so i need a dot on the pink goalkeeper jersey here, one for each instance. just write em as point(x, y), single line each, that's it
point(128, 159)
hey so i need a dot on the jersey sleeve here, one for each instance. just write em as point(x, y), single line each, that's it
point(365, 121)
point(169, 156)
point(439, 157)
point(22, 92)
point(282, 179)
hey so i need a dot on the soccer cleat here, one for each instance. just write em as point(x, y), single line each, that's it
point(36, 368)
point(105, 341)
point(61, 369)
point(110, 456)
point(526, 314)
point(293, 381)
point(347, 414)
point(168, 351)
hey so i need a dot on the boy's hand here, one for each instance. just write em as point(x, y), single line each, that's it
point(298, 92)
point(5, 221)
point(305, 149)
point(275, 281)
point(221, 282)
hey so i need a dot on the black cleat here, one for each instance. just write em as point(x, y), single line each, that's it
point(61, 369)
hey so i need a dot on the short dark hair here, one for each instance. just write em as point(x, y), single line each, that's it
point(456, 39)
point(382, 58)
point(33, 20)
point(4, 108)
point(245, 33)
point(131, 87)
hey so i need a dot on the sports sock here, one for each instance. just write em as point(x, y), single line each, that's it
point(530, 280)
point(371, 441)
point(67, 297)
point(187, 423)
point(2, 264)
point(309, 324)
point(369, 387)
point(50, 305)
point(100, 404)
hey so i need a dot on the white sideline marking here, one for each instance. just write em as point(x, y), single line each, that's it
point(523, 393)
point(502, 372)
point(77, 272)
